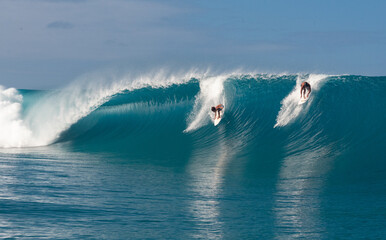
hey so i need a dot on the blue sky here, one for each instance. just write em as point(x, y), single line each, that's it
point(48, 43)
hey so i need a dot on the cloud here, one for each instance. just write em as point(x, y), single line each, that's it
point(60, 25)
point(64, 1)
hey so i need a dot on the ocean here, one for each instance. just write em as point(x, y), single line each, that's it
point(125, 156)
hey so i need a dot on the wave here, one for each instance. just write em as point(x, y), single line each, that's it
point(55, 111)
point(171, 113)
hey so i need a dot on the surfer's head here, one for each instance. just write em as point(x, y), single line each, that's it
point(213, 109)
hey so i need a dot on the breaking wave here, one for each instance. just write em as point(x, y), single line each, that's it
point(171, 113)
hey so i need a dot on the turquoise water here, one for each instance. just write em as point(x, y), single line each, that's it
point(144, 161)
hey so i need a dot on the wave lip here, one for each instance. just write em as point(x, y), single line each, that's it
point(56, 111)
point(178, 106)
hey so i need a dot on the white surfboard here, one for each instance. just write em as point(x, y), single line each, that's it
point(303, 100)
point(217, 121)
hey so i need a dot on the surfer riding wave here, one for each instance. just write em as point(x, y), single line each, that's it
point(305, 87)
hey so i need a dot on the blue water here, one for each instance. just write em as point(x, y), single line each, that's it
point(146, 162)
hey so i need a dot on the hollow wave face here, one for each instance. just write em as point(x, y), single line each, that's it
point(171, 114)
point(53, 112)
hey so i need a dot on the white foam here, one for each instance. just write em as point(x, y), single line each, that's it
point(211, 94)
point(54, 113)
point(13, 132)
point(290, 109)
point(59, 109)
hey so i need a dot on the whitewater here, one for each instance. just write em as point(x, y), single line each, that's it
point(137, 155)
point(53, 112)
point(41, 120)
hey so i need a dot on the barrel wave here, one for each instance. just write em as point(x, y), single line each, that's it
point(345, 115)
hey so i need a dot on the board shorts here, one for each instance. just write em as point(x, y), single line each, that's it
point(220, 107)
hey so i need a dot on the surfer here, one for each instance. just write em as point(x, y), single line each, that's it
point(305, 87)
point(217, 109)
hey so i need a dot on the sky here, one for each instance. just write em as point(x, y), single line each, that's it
point(48, 43)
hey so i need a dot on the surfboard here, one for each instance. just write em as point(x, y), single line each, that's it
point(303, 100)
point(217, 121)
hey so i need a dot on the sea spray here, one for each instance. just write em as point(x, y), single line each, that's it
point(13, 131)
point(211, 94)
point(252, 102)
point(57, 110)
point(290, 108)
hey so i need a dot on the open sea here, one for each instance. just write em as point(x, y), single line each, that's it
point(138, 157)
